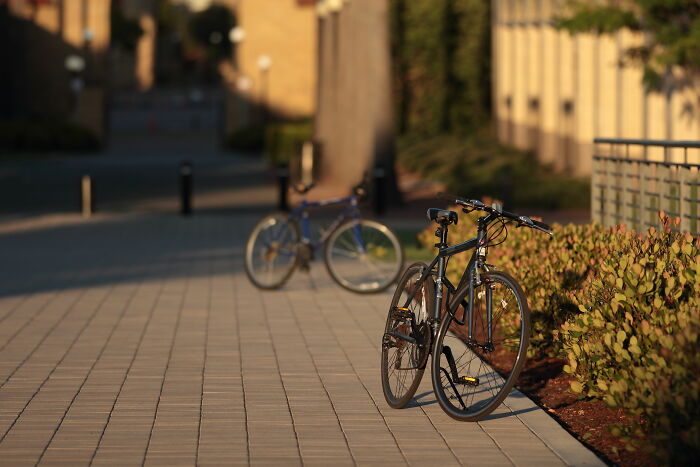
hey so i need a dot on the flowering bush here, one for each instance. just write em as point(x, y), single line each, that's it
point(624, 309)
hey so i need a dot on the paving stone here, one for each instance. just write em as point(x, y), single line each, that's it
point(152, 348)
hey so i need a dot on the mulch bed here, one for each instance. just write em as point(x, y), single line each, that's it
point(544, 382)
point(588, 420)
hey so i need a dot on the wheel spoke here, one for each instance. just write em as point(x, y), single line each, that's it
point(495, 363)
point(368, 267)
point(271, 252)
point(401, 373)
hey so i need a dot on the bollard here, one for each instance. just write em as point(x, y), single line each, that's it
point(307, 162)
point(86, 197)
point(379, 202)
point(283, 185)
point(185, 188)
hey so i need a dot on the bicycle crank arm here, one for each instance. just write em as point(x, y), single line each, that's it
point(466, 380)
point(454, 388)
point(403, 337)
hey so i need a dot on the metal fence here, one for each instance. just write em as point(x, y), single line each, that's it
point(634, 179)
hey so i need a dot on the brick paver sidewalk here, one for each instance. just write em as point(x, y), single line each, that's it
point(136, 340)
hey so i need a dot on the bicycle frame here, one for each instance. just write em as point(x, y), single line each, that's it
point(352, 211)
point(476, 263)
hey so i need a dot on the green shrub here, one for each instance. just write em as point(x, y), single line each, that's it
point(279, 141)
point(635, 342)
point(248, 139)
point(624, 310)
point(477, 166)
point(284, 140)
point(45, 136)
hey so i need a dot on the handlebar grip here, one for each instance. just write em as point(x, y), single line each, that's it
point(542, 225)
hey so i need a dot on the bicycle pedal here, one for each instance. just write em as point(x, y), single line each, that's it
point(400, 312)
point(388, 343)
point(468, 380)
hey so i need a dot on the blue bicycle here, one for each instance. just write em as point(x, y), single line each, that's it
point(361, 255)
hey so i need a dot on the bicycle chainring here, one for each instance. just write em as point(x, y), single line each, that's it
point(424, 340)
point(305, 256)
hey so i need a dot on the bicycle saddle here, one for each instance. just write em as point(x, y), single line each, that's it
point(303, 188)
point(442, 216)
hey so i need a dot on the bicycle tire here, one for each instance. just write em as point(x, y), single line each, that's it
point(395, 372)
point(363, 269)
point(469, 388)
point(283, 236)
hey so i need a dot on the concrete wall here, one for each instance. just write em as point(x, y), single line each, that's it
point(47, 34)
point(285, 32)
point(553, 92)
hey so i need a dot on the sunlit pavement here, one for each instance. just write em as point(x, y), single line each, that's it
point(134, 337)
point(137, 338)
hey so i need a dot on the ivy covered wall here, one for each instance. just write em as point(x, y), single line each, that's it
point(441, 65)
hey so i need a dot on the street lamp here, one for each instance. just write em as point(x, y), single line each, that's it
point(264, 64)
point(324, 7)
point(236, 35)
point(75, 65)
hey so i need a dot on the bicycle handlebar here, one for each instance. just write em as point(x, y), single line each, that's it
point(469, 205)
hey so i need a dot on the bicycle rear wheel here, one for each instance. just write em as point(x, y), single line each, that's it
point(407, 336)
point(472, 378)
point(363, 256)
point(271, 251)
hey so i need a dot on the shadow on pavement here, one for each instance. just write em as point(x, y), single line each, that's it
point(122, 249)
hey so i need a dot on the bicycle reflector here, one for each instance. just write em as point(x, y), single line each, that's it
point(468, 380)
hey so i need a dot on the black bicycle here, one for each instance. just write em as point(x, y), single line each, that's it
point(478, 338)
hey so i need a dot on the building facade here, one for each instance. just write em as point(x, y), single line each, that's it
point(274, 66)
point(553, 93)
point(39, 36)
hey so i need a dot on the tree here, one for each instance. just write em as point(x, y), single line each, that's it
point(671, 30)
point(441, 65)
point(210, 29)
point(126, 32)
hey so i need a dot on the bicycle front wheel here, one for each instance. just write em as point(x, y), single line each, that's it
point(471, 377)
point(363, 256)
point(407, 336)
point(271, 251)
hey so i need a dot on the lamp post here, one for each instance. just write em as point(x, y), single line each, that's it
point(75, 65)
point(236, 35)
point(264, 64)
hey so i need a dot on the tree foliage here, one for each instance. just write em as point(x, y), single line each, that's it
point(210, 29)
point(441, 64)
point(126, 32)
point(671, 30)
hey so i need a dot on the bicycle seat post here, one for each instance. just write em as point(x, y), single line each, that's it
point(441, 233)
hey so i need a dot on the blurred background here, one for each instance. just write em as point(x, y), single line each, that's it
point(483, 98)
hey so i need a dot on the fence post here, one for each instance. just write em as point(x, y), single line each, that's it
point(643, 190)
point(595, 192)
point(663, 183)
point(684, 195)
point(610, 216)
point(626, 198)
